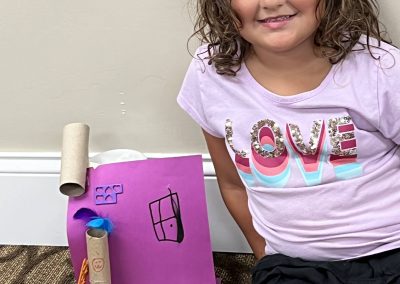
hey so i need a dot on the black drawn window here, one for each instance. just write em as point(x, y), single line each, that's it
point(166, 217)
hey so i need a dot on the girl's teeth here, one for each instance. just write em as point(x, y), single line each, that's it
point(277, 19)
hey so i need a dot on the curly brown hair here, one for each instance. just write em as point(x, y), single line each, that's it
point(342, 23)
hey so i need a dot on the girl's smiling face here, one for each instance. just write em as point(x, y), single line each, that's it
point(277, 25)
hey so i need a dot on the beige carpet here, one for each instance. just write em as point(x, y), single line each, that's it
point(52, 265)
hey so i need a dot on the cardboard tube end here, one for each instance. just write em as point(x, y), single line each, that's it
point(76, 125)
point(96, 233)
point(72, 189)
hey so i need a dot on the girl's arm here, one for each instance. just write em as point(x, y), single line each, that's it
point(233, 192)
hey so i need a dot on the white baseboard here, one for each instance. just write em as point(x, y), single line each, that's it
point(34, 212)
point(49, 162)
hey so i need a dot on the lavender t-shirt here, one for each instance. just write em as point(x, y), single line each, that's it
point(321, 168)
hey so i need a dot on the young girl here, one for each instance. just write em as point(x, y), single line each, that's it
point(299, 102)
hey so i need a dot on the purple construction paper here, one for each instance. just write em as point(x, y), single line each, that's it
point(136, 253)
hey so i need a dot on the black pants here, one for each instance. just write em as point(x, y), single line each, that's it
point(374, 269)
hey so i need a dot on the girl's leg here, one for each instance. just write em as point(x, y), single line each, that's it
point(279, 268)
point(382, 268)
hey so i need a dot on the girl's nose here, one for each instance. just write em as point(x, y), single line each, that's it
point(272, 4)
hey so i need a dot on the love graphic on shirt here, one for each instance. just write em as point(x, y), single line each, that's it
point(268, 161)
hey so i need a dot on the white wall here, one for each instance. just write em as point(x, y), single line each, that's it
point(66, 61)
point(390, 10)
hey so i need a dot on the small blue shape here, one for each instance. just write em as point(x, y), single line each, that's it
point(101, 223)
point(107, 194)
point(108, 225)
point(96, 223)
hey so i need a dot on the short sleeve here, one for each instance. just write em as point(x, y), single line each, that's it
point(389, 94)
point(191, 97)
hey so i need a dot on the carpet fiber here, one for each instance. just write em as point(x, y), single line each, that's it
point(52, 265)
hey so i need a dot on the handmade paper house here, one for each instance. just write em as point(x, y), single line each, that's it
point(158, 208)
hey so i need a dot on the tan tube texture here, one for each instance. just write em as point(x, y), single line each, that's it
point(74, 159)
point(98, 256)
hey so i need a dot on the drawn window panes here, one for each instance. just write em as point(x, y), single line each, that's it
point(166, 218)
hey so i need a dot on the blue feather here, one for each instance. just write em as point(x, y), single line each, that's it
point(85, 214)
point(108, 225)
point(96, 223)
point(101, 223)
point(93, 220)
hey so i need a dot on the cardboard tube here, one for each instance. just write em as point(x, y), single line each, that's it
point(74, 159)
point(98, 256)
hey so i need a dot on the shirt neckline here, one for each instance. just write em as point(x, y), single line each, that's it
point(286, 99)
